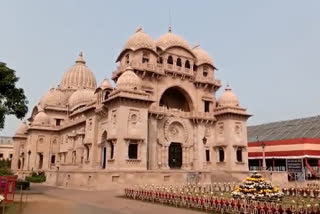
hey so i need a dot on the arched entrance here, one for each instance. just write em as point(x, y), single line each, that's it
point(175, 156)
point(176, 97)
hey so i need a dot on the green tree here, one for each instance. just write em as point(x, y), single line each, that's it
point(12, 99)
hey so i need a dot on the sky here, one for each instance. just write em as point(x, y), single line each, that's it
point(268, 51)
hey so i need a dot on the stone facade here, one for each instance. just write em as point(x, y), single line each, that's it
point(161, 115)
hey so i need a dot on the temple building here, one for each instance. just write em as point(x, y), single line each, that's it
point(291, 146)
point(161, 116)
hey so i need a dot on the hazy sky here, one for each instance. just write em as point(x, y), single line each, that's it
point(269, 51)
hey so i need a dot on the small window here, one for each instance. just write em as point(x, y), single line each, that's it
point(53, 159)
point(187, 64)
point(58, 122)
point(207, 155)
point(87, 152)
point(205, 71)
point(106, 96)
point(170, 60)
point(221, 155)
point(194, 67)
point(111, 150)
point(179, 62)
point(11, 155)
point(145, 57)
point(1, 155)
point(206, 106)
point(239, 155)
point(133, 151)
point(127, 58)
point(74, 156)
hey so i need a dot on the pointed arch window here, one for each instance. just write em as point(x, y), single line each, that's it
point(179, 62)
point(187, 64)
point(170, 60)
point(145, 57)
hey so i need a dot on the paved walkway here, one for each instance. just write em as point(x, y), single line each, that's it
point(51, 200)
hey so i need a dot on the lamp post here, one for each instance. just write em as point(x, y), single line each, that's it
point(29, 154)
point(263, 145)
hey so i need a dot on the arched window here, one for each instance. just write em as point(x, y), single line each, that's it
point(221, 155)
point(19, 164)
point(104, 137)
point(187, 64)
point(106, 95)
point(53, 159)
point(127, 58)
point(111, 150)
point(179, 62)
point(87, 152)
point(40, 163)
point(170, 60)
point(239, 154)
point(160, 60)
point(176, 98)
point(195, 67)
point(205, 71)
point(145, 57)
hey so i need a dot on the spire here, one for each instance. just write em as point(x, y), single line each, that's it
point(80, 58)
point(169, 29)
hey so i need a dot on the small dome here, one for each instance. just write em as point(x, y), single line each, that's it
point(41, 119)
point(78, 76)
point(171, 40)
point(139, 40)
point(22, 128)
point(202, 56)
point(81, 97)
point(228, 98)
point(128, 80)
point(54, 97)
point(105, 84)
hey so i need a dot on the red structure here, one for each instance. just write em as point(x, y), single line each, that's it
point(292, 145)
point(7, 187)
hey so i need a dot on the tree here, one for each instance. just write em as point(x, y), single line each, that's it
point(12, 99)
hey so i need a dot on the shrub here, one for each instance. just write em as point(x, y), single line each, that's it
point(5, 171)
point(21, 183)
point(36, 177)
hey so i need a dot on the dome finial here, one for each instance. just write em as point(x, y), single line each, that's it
point(169, 29)
point(80, 58)
point(196, 46)
point(139, 29)
point(228, 88)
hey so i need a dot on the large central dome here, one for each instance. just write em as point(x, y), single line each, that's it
point(78, 76)
point(171, 40)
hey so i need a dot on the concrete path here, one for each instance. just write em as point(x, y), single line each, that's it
point(51, 200)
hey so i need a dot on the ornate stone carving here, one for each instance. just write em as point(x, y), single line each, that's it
point(207, 132)
point(238, 128)
point(114, 117)
point(175, 130)
point(134, 116)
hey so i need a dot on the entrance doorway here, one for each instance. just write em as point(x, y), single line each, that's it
point(175, 156)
